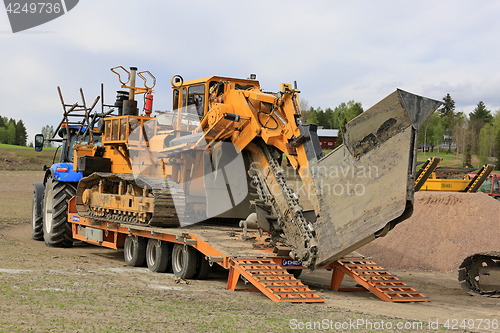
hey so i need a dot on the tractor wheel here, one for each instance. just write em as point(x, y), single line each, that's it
point(134, 251)
point(202, 268)
point(56, 229)
point(37, 214)
point(184, 261)
point(157, 256)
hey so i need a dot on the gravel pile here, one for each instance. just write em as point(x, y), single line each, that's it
point(444, 229)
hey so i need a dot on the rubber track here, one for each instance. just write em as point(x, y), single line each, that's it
point(169, 202)
point(466, 279)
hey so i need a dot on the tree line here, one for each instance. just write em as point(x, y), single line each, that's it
point(12, 132)
point(335, 118)
point(475, 134)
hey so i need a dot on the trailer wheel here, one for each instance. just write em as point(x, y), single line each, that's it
point(157, 255)
point(56, 229)
point(295, 272)
point(202, 268)
point(184, 261)
point(36, 213)
point(134, 251)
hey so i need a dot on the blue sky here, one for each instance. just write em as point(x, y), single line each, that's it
point(336, 50)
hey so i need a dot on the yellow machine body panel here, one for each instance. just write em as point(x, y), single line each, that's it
point(445, 185)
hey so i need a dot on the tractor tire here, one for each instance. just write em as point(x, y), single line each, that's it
point(202, 268)
point(37, 213)
point(56, 229)
point(157, 256)
point(184, 260)
point(134, 251)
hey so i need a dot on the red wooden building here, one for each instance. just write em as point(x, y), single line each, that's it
point(328, 138)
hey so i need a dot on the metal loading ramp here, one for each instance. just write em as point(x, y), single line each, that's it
point(271, 279)
point(375, 279)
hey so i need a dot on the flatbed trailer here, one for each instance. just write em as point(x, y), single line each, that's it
point(266, 269)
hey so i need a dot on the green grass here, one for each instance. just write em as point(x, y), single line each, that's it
point(448, 159)
point(17, 158)
point(3, 145)
point(451, 159)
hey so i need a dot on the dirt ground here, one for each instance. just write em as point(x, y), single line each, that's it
point(90, 289)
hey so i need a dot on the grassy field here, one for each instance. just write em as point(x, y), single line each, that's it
point(16, 188)
point(17, 158)
point(451, 159)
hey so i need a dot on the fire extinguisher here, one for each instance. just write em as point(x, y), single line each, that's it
point(148, 106)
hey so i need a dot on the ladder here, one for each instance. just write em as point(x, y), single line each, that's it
point(479, 179)
point(425, 172)
point(271, 279)
point(375, 279)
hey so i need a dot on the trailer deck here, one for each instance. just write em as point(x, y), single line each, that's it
point(266, 268)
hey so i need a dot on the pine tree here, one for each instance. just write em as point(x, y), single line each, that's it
point(3, 135)
point(21, 133)
point(312, 117)
point(481, 113)
point(448, 117)
point(477, 119)
point(11, 133)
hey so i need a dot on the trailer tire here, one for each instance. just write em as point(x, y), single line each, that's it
point(37, 212)
point(184, 260)
point(170, 251)
point(157, 255)
point(134, 251)
point(295, 272)
point(56, 229)
point(202, 268)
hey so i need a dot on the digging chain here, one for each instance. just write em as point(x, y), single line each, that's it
point(292, 219)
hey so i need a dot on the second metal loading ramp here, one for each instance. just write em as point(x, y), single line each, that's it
point(375, 279)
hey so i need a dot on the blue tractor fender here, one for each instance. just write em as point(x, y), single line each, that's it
point(63, 172)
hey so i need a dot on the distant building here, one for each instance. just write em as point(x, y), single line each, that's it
point(328, 138)
point(425, 148)
point(448, 143)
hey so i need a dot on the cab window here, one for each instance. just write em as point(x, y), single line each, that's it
point(184, 100)
point(175, 99)
point(196, 100)
point(486, 186)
